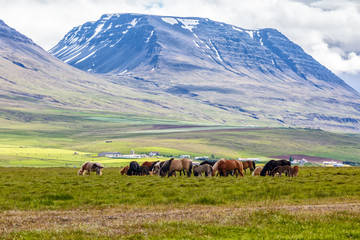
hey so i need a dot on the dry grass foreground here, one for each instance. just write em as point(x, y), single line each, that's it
point(158, 222)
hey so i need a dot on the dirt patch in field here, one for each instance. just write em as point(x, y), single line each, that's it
point(115, 221)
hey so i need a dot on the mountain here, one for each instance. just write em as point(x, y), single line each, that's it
point(257, 74)
point(34, 81)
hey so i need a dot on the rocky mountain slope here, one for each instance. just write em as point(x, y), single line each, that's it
point(259, 74)
point(32, 79)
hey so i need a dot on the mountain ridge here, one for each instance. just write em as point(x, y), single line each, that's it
point(148, 28)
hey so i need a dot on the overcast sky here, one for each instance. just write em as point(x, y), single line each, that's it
point(326, 29)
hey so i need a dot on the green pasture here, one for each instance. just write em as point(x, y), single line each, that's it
point(251, 203)
point(62, 188)
point(49, 138)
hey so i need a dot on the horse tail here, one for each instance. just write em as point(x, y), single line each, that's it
point(254, 166)
point(190, 167)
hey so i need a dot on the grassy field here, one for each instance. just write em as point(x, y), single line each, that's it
point(322, 203)
point(49, 138)
point(47, 149)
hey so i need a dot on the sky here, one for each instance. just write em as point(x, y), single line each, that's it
point(328, 30)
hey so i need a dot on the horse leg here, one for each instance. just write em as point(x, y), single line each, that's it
point(224, 172)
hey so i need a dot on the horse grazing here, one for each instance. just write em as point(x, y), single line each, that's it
point(124, 170)
point(91, 167)
point(133, 168)
point(157, 166)
point(199, 169)
point(149, 165)
point(282, 169)
point(143, 171)
point(248, 164)
point(257, 171)
point(270, 165)
point(172, 165)
point(294, 171)
point(222, 166)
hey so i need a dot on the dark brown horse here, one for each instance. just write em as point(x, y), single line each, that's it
point(228, 165)
point(282, 169)
point(248, 164)
point(270, 165)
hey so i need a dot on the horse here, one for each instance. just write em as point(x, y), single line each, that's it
point(124, 170)
point(143, 171)
point(270, 165)
point(294, 171)
point(133, 168)
point(157, 166)
point(257, 171)
point(199, 169)
point(211, 163)
point(172, 165)
point(248, 164)
point(149, 165)
point(91, 167)
point(282, 169)
point(222, 166)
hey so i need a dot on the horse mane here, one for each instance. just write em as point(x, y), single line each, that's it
point(166, 165)
point(152, 165)
point(216, 166)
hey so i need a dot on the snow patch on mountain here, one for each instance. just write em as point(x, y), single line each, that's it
point(171, 21)
point(188, 23)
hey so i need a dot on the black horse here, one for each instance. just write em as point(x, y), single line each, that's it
point(270, 165)
point(133, 168)
point(211, 163)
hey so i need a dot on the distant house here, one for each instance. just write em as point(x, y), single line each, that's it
point(108, 141)
point(110, 154)
point(152, 154)
point(184, 156)
point(134, 156)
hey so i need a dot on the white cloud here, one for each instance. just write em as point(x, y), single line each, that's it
point(326, 29)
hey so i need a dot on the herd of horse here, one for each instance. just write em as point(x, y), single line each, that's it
point(222, 167)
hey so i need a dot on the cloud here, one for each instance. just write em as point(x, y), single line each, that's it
point(326, 29)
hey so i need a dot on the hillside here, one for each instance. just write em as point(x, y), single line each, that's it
point(33, 81)
point(256, 74)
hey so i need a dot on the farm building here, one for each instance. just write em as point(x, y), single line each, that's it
point(152, 154)
point(184, 156)
point(110, 154)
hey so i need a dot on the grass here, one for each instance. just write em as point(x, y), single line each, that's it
point(321, 203)
point(58, 131)
point(61, 188)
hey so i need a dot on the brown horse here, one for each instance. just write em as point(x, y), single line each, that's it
point(282, 169)
point(149, 165)
point(172, 165)
point(295, 171)
point(248, 164)
point(228, 165)
point(257, 171)
point(91, 167)
point(124, 170)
